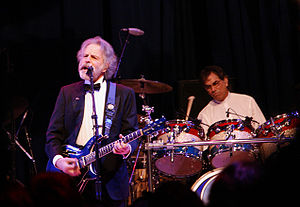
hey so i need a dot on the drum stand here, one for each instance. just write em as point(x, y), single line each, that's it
point(148, 120)
point(14, 142)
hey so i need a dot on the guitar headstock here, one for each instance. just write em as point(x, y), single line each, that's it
point(154, 127)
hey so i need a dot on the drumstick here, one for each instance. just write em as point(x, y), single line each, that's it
point(189, 106)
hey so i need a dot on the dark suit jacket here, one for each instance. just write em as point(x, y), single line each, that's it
point(65, 123)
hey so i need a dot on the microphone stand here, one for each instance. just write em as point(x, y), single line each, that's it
point(97, 136)
point(247, 118)
point(121, 56)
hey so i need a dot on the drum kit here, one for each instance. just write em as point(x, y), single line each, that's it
point(182, 151)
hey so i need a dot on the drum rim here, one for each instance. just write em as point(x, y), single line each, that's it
point(211, 179)
point(263, 129)
point(210, 129)
point(225, 121)
point(292, 115)
point(206, 176)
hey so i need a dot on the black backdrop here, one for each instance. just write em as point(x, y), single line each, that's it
point(255, 41)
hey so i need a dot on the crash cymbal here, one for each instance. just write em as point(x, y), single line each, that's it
point(13, 108)
point(146, 86)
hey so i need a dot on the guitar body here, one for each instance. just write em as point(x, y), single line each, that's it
point(74, 152)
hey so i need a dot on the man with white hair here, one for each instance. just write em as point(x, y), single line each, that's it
point(71, 121)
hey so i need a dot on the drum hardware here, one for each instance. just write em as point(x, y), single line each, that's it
point(229, 135)
point(229, 130)
point(172, 156)
point(14, 143)
point(275, 129)
point(160, 145)
point(144, 87)
point(247, 119)
point(135, 162)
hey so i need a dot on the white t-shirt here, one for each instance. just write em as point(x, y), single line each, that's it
point(240, 104)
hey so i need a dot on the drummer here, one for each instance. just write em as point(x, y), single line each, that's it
point(225, 104)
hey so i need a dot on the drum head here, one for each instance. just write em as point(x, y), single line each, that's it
point(179, 166)
point(226, 158)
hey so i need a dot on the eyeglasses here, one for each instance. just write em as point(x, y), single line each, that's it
point(215, 84)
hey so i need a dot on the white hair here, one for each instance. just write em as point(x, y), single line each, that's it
point(110, 57)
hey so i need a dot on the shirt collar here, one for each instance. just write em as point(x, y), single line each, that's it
point(225, 100)
point(101, 80)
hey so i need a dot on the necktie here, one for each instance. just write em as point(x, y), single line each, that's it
point(87, 87)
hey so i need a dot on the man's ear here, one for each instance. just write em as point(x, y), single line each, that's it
point(226, 81)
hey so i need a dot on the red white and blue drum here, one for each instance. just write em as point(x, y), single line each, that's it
point(283, 125)
point(182, 161)
point(222, 155)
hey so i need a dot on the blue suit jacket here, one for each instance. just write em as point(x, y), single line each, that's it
point(65, 123)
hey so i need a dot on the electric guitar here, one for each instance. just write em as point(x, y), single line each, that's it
point(86, 156)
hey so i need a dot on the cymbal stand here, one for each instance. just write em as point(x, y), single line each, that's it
point(148, 120)
point(30, 150)
point(230, 136)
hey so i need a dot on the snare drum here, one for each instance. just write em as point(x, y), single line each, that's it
point(182, 161)
point(222, 155)
point(203, 185)
point(284, 125)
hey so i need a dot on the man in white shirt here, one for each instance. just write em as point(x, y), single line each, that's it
point(227, 116)
point(215, 82)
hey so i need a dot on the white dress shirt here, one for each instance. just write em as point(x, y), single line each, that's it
point(86, 130)
point(240, 104)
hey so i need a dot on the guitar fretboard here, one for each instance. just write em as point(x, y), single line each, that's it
point(90, 158)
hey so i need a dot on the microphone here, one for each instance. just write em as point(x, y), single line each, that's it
point(90, 68)
point(89, 71)
point(189, 106)
point(133, 31)
point(250, 119)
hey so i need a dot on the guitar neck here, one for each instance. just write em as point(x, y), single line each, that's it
point(90, 158)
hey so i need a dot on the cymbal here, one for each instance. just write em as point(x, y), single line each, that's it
point(146, 86)
point(13, 108)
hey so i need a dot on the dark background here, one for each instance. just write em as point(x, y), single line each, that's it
point(255, 41)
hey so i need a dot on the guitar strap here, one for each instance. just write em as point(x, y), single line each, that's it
point(110, 108)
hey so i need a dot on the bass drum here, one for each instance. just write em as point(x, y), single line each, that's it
point(203, 185)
